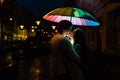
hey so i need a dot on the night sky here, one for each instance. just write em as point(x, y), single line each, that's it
point(41, 7)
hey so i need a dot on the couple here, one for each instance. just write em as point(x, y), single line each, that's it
point(65, 61)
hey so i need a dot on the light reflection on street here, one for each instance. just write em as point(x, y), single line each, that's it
point(34, 69)
point(19, 66)
point(6, 61)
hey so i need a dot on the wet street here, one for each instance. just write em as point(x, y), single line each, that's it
point(35, 69)
point(34, 66)
point(24, 67)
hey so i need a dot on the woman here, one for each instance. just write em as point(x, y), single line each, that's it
point(80, 46)
point(79, 40)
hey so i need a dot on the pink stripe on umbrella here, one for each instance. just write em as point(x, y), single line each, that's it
point(78, 21)
point(53, 18)
point(58, 19)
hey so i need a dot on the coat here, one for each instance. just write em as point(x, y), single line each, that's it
point(64, 57)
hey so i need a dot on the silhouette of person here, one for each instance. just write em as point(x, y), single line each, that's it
point(63, 55)
point(79, 40)
point(80, 45)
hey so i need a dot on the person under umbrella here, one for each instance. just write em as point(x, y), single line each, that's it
point(65, 61)
point(80, 46)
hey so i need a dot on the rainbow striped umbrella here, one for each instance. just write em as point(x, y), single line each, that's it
point(75, 15)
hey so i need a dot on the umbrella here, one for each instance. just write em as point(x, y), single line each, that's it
point(75, 15)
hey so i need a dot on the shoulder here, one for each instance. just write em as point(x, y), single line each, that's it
point(56, 37)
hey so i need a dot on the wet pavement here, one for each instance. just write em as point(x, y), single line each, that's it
point(34, 69)
point(34, 66)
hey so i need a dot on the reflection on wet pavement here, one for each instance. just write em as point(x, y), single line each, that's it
point(34, 69)
point(6, 61)
point(8, 67)
point(37, 67)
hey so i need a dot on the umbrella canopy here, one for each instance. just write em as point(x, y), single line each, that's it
point(75, 15)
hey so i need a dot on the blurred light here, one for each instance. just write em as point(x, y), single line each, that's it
point(32, 30)
point(14, 35)
point(11, 19)
point(53, 27)
point(37, 22)
point(1, 2)
point(21, 26)
point(35, 26)
point(10, 65)
point(46, 32)
point(5, 37)
point(26, 36)
point(37, 71)
point(56, 31)
point(32, 27)
point(9, 57)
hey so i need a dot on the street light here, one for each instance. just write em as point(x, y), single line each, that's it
point(11, 19)
point(15, 24)
point(54, 31)
point(53, 27)
point(38, 23)
point(21, 27)
point(36, 27)
point(32, 33)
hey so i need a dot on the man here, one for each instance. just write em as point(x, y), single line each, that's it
point(63, 53)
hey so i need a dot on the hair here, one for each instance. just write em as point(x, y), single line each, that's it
point(79, 38)
point(64, 25)
point(79, 35)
